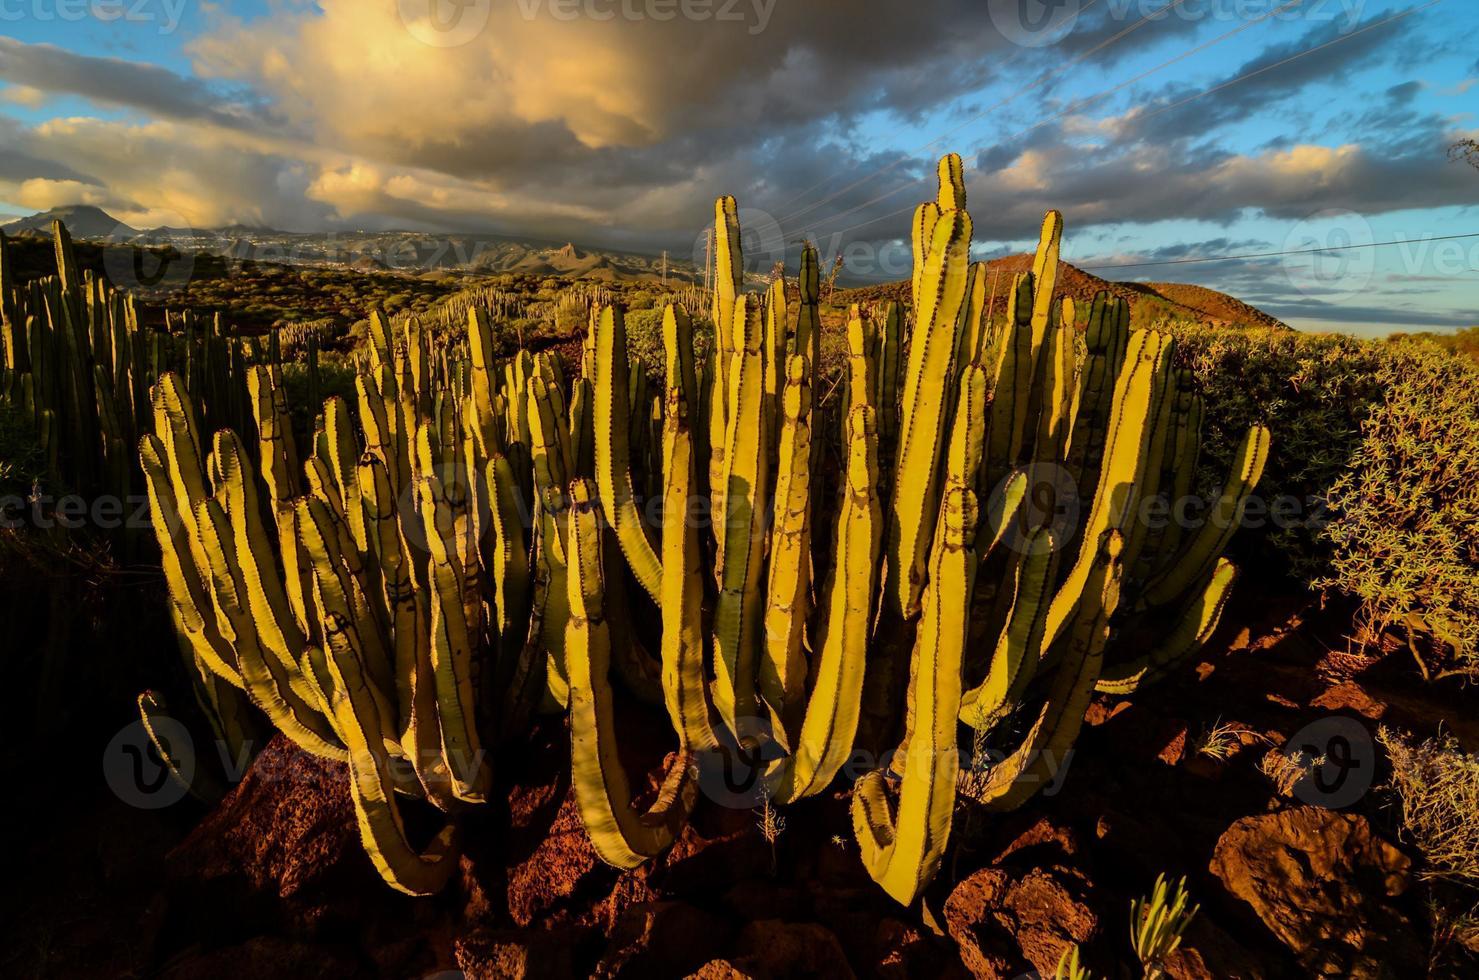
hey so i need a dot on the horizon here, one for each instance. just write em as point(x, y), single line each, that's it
point(1208, 131)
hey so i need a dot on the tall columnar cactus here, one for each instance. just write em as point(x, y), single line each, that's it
point(988, 532)
point(367, 622)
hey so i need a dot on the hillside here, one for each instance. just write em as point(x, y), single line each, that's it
point(1148, 301)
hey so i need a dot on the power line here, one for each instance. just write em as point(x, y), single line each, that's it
point(907, 158)
point(1074, 107)
point(1266, 255)
point(1217, 88)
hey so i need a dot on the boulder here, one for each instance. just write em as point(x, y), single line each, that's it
point(1322, 881)
point(1003, 922)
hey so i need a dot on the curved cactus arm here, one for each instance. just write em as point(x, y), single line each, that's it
point(1201, 553)
point(1116, 499)
point(621, 836)
point(188, 582)
point(788, 589)
point(833, 708)
point(372, 788)
point(927, 386)
point(611, 412)
point(452, 649)
point(902, 850)
point(738, 613)
point(267, 682)
point(1014, 662)
point(1016, 779)
point(1191, 632)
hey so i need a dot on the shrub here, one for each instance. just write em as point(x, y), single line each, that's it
point(1313, 391)
point(1406, 512)
point(1436, 785)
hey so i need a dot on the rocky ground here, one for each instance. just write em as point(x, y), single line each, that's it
point(1308, 879)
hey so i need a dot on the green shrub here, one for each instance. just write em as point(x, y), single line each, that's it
point(1313, 391)
point(1406, 511)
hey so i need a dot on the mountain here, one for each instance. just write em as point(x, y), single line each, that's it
point(82, 220)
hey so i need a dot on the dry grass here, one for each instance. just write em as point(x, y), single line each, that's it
point(1286, 771)
point(1437, 787)
point(1223, 740)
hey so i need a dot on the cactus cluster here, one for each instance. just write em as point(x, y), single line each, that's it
point(948, 545)
point(76, 359)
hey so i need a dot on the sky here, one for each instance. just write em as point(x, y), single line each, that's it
point(1164, 130)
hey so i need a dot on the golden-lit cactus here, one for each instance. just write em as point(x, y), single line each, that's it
point(363, 622)
point(466, 536)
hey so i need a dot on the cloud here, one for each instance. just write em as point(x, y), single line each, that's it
point(115, 82)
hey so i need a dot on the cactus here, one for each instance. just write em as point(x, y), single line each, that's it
point(356, 644)
point(383, 601)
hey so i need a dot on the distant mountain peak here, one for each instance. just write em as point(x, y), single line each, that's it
point(82, 220)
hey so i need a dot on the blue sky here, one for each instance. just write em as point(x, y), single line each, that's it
point(1177, 135)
